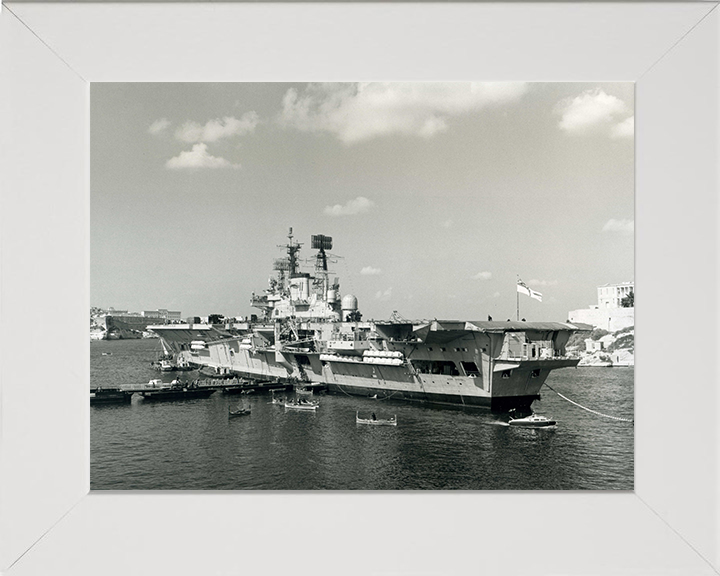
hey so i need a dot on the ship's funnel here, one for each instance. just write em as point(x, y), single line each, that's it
point(300, 287)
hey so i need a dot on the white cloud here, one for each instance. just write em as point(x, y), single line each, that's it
point(198, 157)
point(370, 271)
point(356, 112)
point(356, 206)
point(448, 223)
point(623, 226)
point(536, 282)
point(624, 129)
point(594, 111)
point(216, 129)
point(159, 126)
point(384, 296)
point(482, 276)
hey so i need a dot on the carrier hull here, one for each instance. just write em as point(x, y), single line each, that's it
point(500, 383)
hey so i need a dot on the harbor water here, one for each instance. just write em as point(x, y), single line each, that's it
point(194, 445)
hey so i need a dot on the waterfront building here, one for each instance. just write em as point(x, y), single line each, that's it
point(609, 313)
point(168, 315)
point(113, 324)
point(601, 344)
point(593, 345)
point(612, 295)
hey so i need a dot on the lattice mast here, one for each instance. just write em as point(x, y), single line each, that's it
point(287, 267)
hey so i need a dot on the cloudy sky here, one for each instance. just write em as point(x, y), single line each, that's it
point(437, 196)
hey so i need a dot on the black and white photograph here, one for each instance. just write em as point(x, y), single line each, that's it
point(362, 286)
point(355, 284)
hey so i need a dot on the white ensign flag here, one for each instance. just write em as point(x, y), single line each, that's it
point(523, 289)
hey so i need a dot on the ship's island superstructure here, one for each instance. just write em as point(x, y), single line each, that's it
point(307, 333)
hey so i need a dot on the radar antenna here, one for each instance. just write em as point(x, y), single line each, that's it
point(321, 243)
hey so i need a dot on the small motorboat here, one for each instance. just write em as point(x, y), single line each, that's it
point(373, 421)
point(532, 421)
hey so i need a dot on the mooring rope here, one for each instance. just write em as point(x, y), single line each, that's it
point(389, 396)
point(358, 395)
point(588, 409)
point(343, 391)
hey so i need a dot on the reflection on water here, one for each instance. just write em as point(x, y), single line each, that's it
point(193, 445)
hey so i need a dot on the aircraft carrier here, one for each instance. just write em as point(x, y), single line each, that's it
point(308, 334)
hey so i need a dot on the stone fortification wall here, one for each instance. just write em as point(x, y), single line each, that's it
point(131, 322)
point(610, 319)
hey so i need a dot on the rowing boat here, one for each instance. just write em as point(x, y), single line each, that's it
point(302, 405)
point(375, 422)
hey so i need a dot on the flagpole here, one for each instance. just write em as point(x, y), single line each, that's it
point(517, 298)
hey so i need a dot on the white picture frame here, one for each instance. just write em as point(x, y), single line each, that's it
point(49, 53)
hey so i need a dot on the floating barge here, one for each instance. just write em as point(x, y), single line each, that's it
point(109, 396)
point(157, 390)
point(177, 394)
point(240, 386)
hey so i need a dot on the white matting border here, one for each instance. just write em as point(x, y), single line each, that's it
point(48, 55)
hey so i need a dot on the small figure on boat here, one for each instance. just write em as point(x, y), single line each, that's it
point(374, 420)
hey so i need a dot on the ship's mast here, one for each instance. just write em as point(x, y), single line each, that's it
point(288, 267)
point(292, 248)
